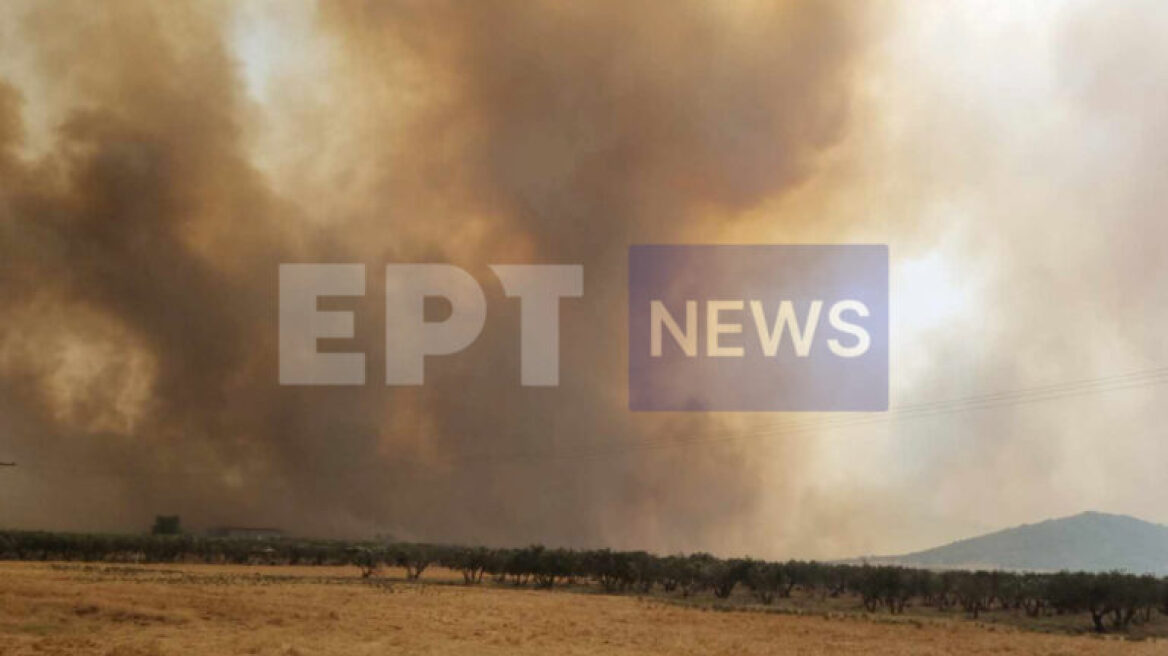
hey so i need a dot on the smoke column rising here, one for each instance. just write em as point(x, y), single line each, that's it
point(158, 161)
point(151, 188)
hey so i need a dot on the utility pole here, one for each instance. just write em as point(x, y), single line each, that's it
point(7, 464)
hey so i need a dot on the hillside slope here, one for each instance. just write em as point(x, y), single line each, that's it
point(1089, 541)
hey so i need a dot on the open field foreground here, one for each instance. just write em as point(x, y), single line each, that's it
point(211, 609)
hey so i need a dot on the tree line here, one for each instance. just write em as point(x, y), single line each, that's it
point(1113, 601)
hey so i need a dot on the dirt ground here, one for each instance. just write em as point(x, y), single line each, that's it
point(50, 609)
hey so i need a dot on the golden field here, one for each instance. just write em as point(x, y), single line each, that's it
point(120, 610)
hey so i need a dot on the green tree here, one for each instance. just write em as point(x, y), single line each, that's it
point(166, 525)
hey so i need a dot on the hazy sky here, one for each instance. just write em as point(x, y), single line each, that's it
point(158, 161)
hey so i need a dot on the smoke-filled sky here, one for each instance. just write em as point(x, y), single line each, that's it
point(158, 161)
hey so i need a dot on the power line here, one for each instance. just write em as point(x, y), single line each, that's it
point(1048, 392)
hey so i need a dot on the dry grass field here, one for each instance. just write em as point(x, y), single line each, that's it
point(50, 609)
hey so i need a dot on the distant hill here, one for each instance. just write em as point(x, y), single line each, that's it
point(1089, 541)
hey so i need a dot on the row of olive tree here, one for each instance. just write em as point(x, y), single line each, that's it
point(1113, 601)
point(43, 545)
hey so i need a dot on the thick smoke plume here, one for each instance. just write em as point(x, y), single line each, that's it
point(159, 160)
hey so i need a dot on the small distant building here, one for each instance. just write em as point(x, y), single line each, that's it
point(244, 532)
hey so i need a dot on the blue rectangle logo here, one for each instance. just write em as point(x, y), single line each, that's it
point(758, 327)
